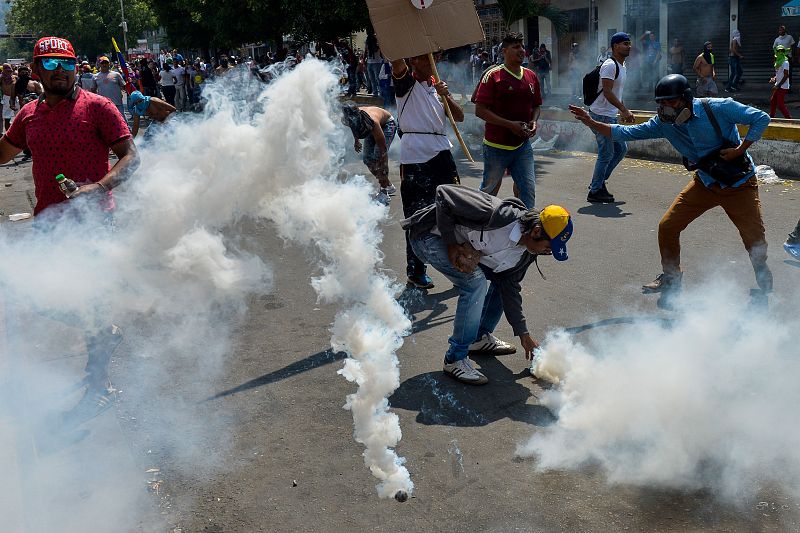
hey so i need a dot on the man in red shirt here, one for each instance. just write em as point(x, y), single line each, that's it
point(69, 131)
point(508, 98)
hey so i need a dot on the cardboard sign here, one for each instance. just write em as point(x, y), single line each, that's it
point(405, 31)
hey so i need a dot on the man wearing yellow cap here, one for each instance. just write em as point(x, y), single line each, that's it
point(109, 83)
point(472, 237)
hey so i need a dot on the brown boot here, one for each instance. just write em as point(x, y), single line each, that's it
point(664, 283)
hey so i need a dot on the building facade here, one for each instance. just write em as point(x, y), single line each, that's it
point(692, 22)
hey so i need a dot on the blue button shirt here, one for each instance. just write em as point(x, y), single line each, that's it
point(697, 137)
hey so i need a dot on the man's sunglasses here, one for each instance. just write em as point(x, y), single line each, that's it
point(52, 63)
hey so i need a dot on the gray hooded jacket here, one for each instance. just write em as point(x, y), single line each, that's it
point(461, 206)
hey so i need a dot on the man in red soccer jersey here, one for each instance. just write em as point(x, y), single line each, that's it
point(69, 131)
point(508, 98)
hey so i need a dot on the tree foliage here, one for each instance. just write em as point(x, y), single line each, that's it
point(226, 24)
point(325, 19)
point(88, 24)
point(514, 10)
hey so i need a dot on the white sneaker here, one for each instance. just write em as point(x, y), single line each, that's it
point(491, 345)
point(463, 371)
point(390, 190)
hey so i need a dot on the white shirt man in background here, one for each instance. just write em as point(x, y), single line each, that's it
point(605, 109)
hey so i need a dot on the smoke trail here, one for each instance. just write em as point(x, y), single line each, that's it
point(707, 402)
point(343, 227)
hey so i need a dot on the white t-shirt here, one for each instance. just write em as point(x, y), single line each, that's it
point(608, 71)
point(167, 78)
point(421, 110)
point(779, 76)
point(787, 41)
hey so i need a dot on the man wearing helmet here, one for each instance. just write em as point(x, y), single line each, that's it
point(724, 176)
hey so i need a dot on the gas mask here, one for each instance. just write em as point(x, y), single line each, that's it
point(672, 115)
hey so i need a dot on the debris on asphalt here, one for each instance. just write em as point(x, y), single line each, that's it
point(19, 216)
point(294, 483)
point(766, 175)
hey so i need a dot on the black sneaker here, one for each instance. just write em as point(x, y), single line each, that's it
point(422, 281)
point(599, 197)
point(664, 283)
point(605, 191)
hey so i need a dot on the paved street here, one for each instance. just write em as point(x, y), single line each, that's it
point(261, 442)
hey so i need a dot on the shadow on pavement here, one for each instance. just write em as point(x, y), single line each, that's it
point(309, 363)
point(414, 301)
point(604, 210)
point(442, 400)
point(664, 322)
point(792, 262)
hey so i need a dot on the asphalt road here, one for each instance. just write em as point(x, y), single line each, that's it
point(263, 443)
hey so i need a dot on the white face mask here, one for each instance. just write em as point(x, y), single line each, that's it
point(672, 115)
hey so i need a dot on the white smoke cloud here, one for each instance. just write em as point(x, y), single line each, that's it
point(704, 401)
point(177, 266)
point(341, 222)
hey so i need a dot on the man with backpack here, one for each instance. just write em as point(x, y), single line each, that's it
point(604, 87)
point(704, 131)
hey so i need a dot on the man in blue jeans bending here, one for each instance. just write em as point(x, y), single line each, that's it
point(508, 98)
point(604, 109)
point(471, 237)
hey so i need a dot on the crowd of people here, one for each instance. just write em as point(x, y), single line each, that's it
point(482, 244)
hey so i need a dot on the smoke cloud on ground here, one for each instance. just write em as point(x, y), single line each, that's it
point(704, 401)
point(175, 271)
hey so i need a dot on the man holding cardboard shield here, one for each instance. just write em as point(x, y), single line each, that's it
point(425, 158)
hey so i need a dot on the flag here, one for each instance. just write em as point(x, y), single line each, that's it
point(125, 72)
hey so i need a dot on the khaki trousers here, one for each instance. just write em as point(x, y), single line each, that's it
point(742, 206)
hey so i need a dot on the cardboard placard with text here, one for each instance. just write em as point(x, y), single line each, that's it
point(405, 31)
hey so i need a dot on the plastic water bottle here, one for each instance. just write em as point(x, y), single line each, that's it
point(67, 186)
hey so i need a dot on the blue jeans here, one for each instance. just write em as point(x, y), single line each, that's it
point(372, 154)
point(609, 154)
point(735, 65)
point(373, 74)
point(519, 162)
point(478, 310)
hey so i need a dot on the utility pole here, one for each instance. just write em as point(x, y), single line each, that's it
point(124, 28)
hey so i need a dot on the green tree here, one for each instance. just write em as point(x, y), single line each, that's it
point(224, 24)
point(514, 10)
point(88, 24)
point(325, 19)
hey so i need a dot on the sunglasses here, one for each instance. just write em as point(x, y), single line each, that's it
point(52, 63)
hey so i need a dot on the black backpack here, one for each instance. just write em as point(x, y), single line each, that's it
point(592, 80)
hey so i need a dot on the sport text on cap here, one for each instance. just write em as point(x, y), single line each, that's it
point(53, 47)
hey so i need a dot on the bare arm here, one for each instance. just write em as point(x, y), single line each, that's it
point(128, 162)
point(7, 151)
point(135, 128)
point(380, 138)
point(583, 116)
point(608, 86)
point(399, 68)
point(455, 107)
